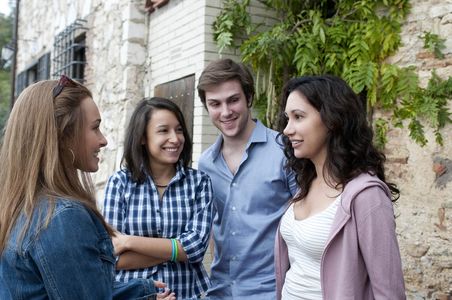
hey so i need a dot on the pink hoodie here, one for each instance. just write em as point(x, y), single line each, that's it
point(361, 259)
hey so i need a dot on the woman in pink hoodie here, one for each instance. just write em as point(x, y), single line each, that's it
point(337, 238)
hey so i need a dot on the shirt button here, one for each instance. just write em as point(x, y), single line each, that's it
point(233, 258)
point(234, 184)
point(233, 208)
point(233, 233)
point(233, 281)
point(158, 210)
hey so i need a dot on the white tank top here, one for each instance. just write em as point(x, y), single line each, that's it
point(306, 240)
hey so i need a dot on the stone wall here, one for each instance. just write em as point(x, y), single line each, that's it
point(115, 56)
point(130, 52)
point(424, 174)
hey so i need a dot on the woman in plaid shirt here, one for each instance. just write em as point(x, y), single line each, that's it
point(161, 208)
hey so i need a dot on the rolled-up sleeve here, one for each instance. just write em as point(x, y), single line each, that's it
point(195, 238)
point(113, 209)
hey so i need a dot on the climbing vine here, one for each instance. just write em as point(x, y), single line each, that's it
point(348, 38)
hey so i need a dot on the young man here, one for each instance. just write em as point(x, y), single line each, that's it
point(251, 186)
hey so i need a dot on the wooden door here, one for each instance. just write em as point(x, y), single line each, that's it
point(181, 92)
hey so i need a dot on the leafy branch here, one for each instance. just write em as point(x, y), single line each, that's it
point(351, 39)
point(434, 44)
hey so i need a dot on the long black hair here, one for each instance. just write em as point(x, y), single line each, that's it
point(350, 150)
point(136, 158)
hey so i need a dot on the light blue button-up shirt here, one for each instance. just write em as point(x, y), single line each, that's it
point(248, 207)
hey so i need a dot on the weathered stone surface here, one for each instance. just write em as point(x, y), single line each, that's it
point(130, 52)
point(417, 249)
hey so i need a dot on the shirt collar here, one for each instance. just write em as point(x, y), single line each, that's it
point(259, 135)
point(180, 171)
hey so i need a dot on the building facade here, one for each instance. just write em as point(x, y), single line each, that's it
point(124, 50)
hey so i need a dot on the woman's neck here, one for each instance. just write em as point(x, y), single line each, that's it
point(323, 176)
point(162, 175)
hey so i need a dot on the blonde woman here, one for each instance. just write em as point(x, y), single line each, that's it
point(53, 241)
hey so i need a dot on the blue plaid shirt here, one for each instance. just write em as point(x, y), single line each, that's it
point(184, 213)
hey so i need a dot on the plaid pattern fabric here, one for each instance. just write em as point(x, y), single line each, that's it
point(184, 213)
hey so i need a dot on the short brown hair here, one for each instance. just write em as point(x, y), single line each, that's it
point(222, 70)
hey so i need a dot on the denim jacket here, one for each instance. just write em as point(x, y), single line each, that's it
point(71, 258)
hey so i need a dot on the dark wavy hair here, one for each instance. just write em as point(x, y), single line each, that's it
point(350, 150)
point(136, 158)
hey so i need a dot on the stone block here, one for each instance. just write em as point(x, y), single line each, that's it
point(418, 12)
point(447, 19)
point(134, 12)
point(212, 10)
point(436, 11)
point(134, 32)
point(132, 53)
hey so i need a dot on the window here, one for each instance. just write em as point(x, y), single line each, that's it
point(69, 51)
point(21, 83)
point(43, 69)
point(39, 70)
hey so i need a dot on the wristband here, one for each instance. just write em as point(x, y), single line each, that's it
point(177, 250)
point(173, 250)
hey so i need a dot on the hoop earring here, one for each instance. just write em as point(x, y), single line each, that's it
point(73, 155)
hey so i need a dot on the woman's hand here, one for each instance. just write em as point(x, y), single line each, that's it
point(167, 294)
point(119, 242)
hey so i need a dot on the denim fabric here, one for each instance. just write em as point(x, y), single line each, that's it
point(71, 258)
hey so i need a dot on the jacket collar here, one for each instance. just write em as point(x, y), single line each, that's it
point(356, 186)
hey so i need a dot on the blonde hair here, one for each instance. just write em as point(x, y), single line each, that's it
point(36, 156)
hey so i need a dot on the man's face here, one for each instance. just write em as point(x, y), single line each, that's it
point(227, 107)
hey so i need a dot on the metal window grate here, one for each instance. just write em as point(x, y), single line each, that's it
point(69, 51)
point(21, 83)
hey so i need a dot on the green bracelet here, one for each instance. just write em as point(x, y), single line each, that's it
point(174, 250)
